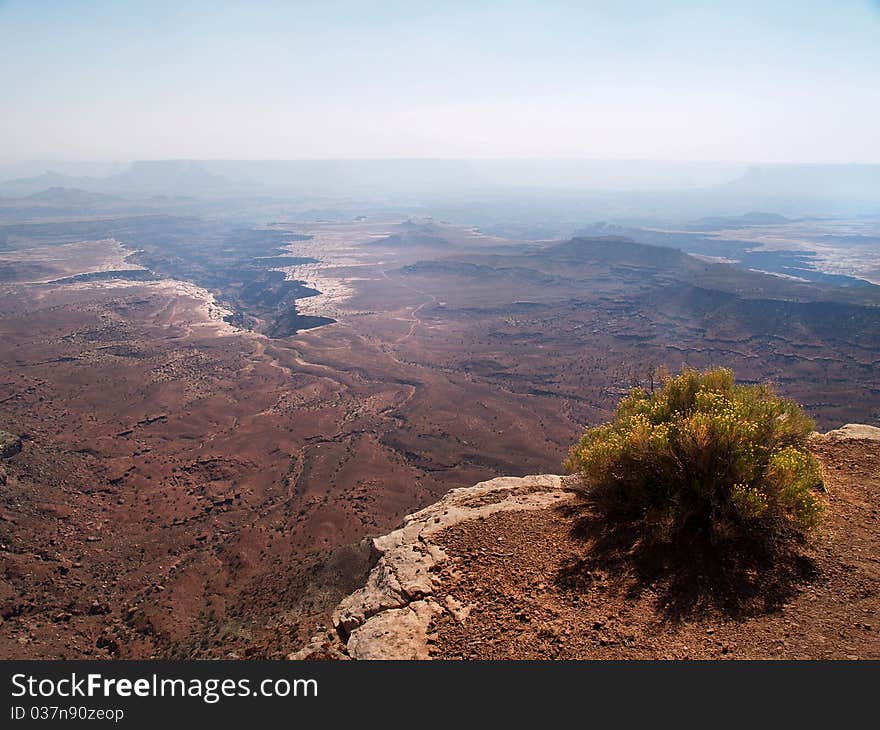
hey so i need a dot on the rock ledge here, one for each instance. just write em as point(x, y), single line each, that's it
point(389, 617)
point(855, 431)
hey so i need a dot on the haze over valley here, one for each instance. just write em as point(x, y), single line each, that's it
point(221, 396)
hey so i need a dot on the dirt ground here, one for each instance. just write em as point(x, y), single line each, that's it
point(563, 584)
point(187, 489)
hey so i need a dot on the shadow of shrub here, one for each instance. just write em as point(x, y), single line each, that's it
point(689, 576)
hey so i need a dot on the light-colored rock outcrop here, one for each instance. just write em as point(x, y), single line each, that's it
point(389, 617)
point(855, 431)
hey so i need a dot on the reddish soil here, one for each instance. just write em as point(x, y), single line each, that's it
point(186, 490)
point(563, 584)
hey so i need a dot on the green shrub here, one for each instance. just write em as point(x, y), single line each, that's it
point(704, 455)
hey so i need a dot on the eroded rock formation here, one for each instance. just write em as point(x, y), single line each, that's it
point(390, 616)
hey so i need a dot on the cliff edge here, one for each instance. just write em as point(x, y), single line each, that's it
point(389, 617)
point(518, 567)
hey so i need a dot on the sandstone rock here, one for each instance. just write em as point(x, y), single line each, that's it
point(10, 444)
point(381, 592)
point(855, 431)
point(321, 647)
point(399, 633)
point(389, 617)
point(459, 611)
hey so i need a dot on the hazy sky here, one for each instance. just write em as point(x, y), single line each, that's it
point(753, 80)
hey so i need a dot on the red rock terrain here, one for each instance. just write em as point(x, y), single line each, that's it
point(189, 488)
point(522, 569)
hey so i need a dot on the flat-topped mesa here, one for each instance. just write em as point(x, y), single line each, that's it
point(390, 616)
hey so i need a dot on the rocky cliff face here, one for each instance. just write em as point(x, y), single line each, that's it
point(389, 617)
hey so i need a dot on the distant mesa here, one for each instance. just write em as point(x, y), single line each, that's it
point(414, 235)
point(616, 249)
point(456, 268)
point(168, 177)
point(739, 221)
point(855, 182)
point(25, 186)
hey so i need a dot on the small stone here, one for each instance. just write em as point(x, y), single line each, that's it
point(10, 444)
point(97, 608)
